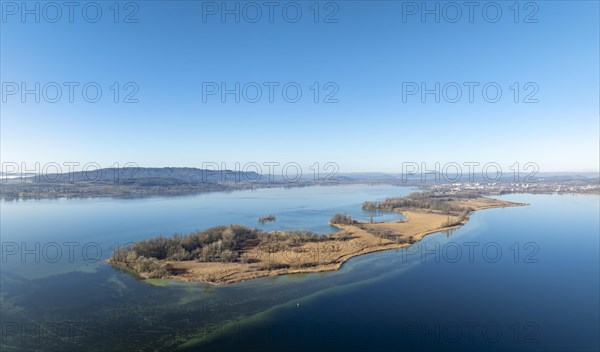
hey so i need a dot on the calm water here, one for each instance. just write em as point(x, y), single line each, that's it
point(524, 278)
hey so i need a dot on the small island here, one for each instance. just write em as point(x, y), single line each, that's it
point(233, 253)
point(266, 218)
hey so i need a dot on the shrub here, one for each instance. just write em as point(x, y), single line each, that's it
point(228, 256)
point(210, 253)
point(341, 219)
point(273, 266)
point(159, 247)
point(149, 266)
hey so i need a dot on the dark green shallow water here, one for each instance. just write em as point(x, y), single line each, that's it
point(521, 279)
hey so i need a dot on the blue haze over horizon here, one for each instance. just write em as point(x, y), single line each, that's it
point(371, 52)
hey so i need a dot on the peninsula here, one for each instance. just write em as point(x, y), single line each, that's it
point(233, 253)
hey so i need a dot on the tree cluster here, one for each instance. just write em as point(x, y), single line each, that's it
point(218, 244)
point(342, 219)
point(416, 200)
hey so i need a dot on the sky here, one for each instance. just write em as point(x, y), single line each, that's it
point(361, 68)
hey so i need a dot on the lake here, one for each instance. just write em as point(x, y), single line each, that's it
point(521, 279)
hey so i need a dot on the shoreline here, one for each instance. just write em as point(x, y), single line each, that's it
point(352, 240)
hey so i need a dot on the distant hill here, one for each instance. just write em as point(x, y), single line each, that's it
point(130, 182)
point(151, 176)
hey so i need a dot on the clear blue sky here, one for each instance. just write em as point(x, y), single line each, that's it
point(373, 48)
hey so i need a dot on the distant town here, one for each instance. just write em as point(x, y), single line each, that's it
point(505, 188)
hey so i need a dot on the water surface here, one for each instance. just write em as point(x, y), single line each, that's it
point(522, 279)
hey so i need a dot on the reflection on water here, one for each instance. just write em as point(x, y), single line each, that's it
point(451, 291)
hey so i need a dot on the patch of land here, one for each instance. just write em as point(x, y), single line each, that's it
point(234, 253)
